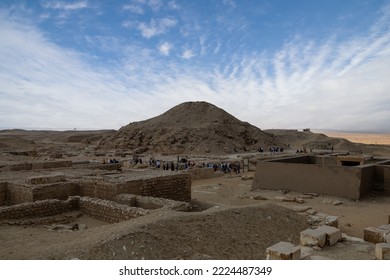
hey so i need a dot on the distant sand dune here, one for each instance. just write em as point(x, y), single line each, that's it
point(356, 137)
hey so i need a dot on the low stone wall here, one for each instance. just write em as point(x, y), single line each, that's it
point(104, 210)
point(3, 193)
point(147, 202)
point(101, 166)
point(17, 167)
point(37, 165)
point(41, 208)
point(174, 187)
point(96, 189)
point(344, 181)
point(38, 180)
point(51, 164)
point(109, 211)
point(16, 194)
point(61, 190)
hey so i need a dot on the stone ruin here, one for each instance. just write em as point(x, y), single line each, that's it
point(103, 192)
point(340, 175)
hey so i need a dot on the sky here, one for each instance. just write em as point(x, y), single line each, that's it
point(89, 64)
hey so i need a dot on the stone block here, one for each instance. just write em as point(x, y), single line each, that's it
point(382, 251)
point(283, 251)
point(315, 220)
point(49, 179)
point(301, 208)
point(333, 235)
point(375, 235)
point(310, 237)
point(332, 221)
point(385, 227)
point(289, 199)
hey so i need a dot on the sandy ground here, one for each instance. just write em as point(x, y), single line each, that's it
point(191, 235)
point(359, 137)
point(354, 215)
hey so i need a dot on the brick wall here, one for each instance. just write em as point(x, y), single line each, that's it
point(18, 194)
point(104, 210)
point(109, 211)
point(3, 193)
point(175, 187)
point(37, 165)
point(61, 190)
point(41, 208)
point(147, 202)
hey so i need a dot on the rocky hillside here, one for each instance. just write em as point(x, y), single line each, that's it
point(191, 127)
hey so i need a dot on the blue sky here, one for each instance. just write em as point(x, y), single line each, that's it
point(277, 64)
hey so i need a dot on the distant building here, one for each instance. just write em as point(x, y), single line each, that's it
point(306, 130)
point(351, 176)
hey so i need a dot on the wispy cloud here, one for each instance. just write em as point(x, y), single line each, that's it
point(156, 27)
point(173, 5)
point(134, 8)
point(155, 5)
point(229, 3)
point(62, 5)
point(165, 48)
point(333, 84)
point(187, 54)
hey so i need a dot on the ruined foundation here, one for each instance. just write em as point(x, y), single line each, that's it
point(350, 177)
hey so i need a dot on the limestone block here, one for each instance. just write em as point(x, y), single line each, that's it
point(333, 235)
point(289, 199)
point(310, 237)
point(2, 196)
point(299, 200)
point(375, 235)
point(305, 196)
point(311, 212)
point(314, 220)
point(283, 251)
point(37, 180)
point(382, 251)
point(301, 208)
point(385, 227)
point(387, 238)
point(332, 221)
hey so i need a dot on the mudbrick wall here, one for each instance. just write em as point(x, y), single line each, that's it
point(147, 202)
point(109, 211)
point(3, 192)
point(41, 208)
point(37, 165)
point(175, 187)
point(18, 194)
point(104, 210)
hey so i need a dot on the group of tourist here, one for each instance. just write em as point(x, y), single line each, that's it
point(109, 160)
